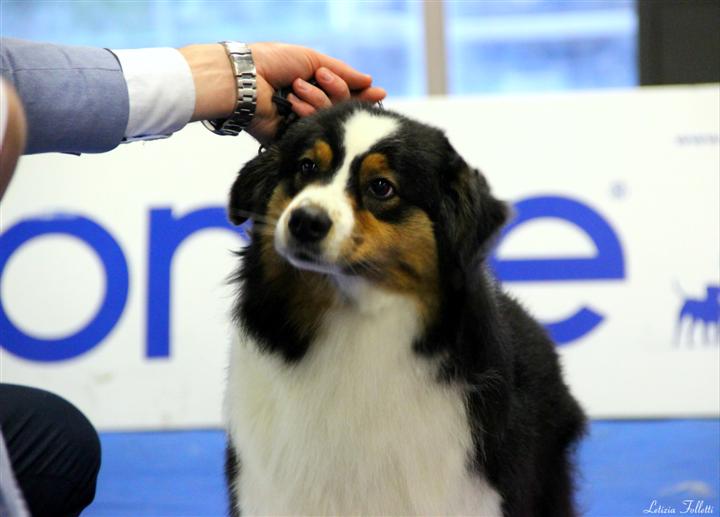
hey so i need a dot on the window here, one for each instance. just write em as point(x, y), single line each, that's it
point(491, 45)
point(531, 45)
point(381, 38)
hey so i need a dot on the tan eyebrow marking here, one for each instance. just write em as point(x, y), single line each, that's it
point(321, 153)
point(373, 165)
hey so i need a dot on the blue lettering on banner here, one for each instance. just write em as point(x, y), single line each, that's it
point(34, 348)
point(167, 233)
point(607, 264)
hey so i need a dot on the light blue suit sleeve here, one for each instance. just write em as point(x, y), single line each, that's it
point(75, 98)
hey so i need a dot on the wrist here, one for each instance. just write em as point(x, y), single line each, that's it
point(214, 80)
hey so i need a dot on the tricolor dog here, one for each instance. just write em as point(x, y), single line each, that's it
point(379, 369)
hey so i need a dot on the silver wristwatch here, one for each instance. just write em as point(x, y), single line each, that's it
point(244, 70)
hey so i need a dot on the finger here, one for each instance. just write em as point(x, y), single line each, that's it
point(302, 108)
point(333, 86)
point(355, 80)
point(311, 94)
point(372, 94)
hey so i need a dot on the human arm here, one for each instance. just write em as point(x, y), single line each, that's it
point(77, 99)
point(278, 65)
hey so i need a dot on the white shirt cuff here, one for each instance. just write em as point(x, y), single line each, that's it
point(160, 89)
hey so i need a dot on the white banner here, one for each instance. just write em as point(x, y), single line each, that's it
point(113, 267)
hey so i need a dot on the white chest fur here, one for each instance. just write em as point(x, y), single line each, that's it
point(358, 426)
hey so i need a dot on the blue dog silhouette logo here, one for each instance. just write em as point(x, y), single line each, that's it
point(704, 312)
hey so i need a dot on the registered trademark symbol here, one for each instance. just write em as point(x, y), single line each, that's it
point(618, 190)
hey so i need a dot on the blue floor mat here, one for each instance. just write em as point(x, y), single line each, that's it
point(627, 468)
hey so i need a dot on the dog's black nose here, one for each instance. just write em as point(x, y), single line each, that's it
point(309, 224)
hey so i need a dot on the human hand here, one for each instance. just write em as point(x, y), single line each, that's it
point(277, 65)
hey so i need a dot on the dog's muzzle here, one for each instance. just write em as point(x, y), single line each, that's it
point(313, 229)
point(309, 225)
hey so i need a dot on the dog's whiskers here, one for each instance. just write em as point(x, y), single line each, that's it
point(361, 267)
point(256, 217)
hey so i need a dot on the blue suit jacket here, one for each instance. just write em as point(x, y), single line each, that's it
point(75, 98)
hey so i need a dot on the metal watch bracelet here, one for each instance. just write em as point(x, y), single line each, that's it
point(245, 79)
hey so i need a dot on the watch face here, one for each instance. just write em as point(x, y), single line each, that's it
point(210, 124)
point(230, 127)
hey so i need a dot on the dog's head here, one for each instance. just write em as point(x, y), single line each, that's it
point(358, 193)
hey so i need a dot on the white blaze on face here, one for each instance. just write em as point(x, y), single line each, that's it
point(361, 132)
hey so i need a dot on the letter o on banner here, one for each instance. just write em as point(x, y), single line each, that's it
point(33, 348)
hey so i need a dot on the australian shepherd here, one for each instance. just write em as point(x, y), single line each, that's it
point(379, 369)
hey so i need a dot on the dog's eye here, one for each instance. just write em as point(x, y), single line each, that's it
point(381, 188)
point(307, 167)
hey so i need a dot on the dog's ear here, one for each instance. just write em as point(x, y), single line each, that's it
point(473, 215)
point(253, 187)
